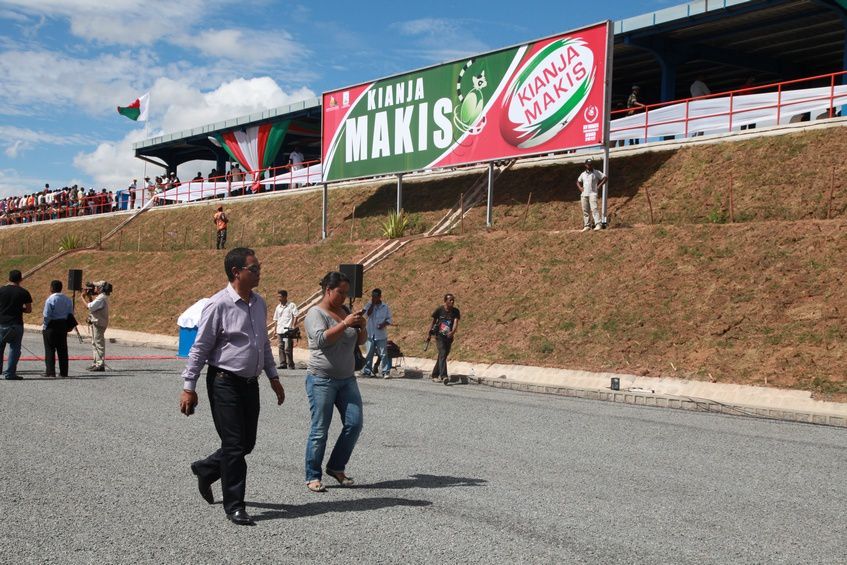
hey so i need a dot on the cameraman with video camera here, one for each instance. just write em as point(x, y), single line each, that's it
point(96, 297)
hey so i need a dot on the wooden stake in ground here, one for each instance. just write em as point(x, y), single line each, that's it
point(353, 222)
point(138, 246)
point(241, 237)
point(462, 213)
point(526, 212)
point(163, 238)
point(649, 203)
point(731, 201)
point(831, 190)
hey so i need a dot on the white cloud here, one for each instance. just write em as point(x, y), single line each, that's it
point(138, 24)
point(423, 26)
point(122, 22)
point(439, 39)
point(16, 140)
point(113, 164)
point(254, 47)
point(181, 107)
point(13, 16)
point(188, 107)
point(13, 183)
point(35, 79)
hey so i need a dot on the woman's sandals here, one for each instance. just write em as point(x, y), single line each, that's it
point(316, 486)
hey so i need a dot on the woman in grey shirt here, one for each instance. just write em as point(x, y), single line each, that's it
point(333, 332)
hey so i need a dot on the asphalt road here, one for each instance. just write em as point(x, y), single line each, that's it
point(94, 469)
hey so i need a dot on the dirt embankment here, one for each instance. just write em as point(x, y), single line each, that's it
point(759, 301)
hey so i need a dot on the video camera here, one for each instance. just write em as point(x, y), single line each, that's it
point(91, 288)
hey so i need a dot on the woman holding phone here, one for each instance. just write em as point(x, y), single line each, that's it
point(333, 331)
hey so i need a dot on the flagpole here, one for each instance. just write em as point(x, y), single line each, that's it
point(146, 136)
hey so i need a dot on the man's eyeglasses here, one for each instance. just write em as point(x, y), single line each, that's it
point(253, 269)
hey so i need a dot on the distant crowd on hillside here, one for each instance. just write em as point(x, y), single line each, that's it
point(47, 204)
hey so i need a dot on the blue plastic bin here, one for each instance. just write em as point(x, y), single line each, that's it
point(122, 196)
point(186, 340)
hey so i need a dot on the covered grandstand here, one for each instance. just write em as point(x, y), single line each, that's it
point(731, 43)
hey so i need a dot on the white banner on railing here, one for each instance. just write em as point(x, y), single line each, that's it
point(197, 190)
point(761, 109)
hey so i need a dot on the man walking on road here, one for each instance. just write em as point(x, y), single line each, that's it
point(15, 301)
point(589, 183)
point(232, 339)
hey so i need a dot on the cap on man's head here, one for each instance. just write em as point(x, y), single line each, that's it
point(376, 292)
point(589, 161)
point(636, 87)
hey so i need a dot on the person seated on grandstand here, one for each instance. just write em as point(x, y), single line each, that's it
point(213, 175)
point(198, 178)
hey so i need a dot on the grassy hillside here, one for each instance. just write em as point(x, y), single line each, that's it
point(759, 301)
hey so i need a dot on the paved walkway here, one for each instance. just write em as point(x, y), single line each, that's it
point(95, 469)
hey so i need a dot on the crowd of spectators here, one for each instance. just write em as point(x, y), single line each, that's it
point(52, 204)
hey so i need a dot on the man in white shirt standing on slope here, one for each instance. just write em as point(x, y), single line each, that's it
point(589, 184)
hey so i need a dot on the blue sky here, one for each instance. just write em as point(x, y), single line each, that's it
point(66, 64)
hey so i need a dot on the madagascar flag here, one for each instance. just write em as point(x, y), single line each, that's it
point(136, 111)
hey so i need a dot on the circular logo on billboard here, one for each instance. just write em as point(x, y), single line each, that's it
point(548, 90)
point(591, 114)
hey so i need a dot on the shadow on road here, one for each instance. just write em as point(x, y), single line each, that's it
point(288, 511)
point(425, 481)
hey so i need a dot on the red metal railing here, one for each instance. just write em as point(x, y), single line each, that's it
point(162, 194)
point(781, 106)
point(229, 185)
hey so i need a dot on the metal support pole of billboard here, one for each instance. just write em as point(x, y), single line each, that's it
point(399, 193)
point(603, 220)
point(607, 110)
point(489, 204)
point(324, 213)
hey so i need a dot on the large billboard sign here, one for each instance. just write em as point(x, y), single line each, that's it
point(541, 97)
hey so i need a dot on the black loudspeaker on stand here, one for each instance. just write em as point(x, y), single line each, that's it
point(75, 279)
point(354, 272)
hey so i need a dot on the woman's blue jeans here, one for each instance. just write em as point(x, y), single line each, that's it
point(324, 394)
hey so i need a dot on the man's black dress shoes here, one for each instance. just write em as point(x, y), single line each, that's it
point(204, 486)
point(241, 517)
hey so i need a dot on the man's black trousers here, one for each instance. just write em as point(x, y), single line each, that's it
point(234, 402)
point(56, 343)
point(444, 344)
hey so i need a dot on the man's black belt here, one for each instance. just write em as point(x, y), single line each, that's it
point(224, 372)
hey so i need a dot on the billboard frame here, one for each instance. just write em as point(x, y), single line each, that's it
point(606, 102)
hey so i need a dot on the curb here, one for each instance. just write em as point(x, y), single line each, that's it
point(668, 401)
point(641, 397)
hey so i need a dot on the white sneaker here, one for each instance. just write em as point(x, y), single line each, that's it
point(586, 228)
point(598, 227)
